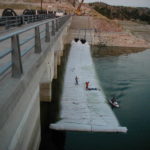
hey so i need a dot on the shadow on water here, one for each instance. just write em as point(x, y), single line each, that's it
point(102, 51)
point(52, 139)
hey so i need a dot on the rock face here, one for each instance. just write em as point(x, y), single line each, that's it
point(123, 13)
point(73, 2)
point(51, 5)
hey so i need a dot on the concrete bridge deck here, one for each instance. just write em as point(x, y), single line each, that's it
point(81, 109)
point(20, 96)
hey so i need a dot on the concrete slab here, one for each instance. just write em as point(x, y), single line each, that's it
point(81, 109)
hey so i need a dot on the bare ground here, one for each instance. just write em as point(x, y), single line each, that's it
point(113, 33)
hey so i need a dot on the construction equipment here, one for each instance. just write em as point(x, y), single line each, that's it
point(78, 10)
point(9, 12)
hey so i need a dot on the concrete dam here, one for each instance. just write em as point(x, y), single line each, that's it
point(30, 58)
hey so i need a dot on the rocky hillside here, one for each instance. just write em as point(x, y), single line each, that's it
point(38, 1)
point(36, 4)
point(73, 2)
point(123, 13)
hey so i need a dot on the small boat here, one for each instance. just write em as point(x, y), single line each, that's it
point(114, 103)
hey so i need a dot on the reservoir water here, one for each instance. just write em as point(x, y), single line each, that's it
point(127, 77)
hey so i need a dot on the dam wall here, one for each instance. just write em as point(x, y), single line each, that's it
point(20, 97)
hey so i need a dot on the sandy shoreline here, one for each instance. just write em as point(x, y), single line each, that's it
point(118, 33)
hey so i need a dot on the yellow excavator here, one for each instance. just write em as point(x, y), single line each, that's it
point(78, 10)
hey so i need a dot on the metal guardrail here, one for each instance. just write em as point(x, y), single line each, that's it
point(13, 21)
point(15, 51)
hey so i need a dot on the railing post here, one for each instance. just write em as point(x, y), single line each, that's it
point(60, 23)
point(16, 57)
point(56, 25)
point(23, 20)
point(37, 40)
point(6, 23)
point(53, 28)
point(47, 37)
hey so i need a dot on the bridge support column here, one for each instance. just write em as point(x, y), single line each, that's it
point(55, 64)
point(45, 91)
point(61, 44)
point(37, 40)
point(56, 25)
point(53, 28)
point(16, 57)
point(61, 53)
point(59, 58)
point(47, 77)
point(47, 37)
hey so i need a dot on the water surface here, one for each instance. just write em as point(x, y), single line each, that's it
point(128, 78)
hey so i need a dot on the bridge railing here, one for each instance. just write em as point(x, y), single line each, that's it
point(14, 45)
point(12, 21)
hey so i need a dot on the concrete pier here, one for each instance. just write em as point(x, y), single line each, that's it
point(81, 109)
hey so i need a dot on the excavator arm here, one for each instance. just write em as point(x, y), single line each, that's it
point(78, 10)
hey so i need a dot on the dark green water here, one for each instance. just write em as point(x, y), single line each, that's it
point(128, 78)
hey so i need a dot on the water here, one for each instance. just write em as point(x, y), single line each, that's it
point(128, 78)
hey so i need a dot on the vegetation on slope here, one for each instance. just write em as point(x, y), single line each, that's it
point(121, 12)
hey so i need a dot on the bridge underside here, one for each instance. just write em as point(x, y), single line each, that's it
point(81, 109)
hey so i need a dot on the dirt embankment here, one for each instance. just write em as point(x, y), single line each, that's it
point(113, 33)
point(124, 39)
